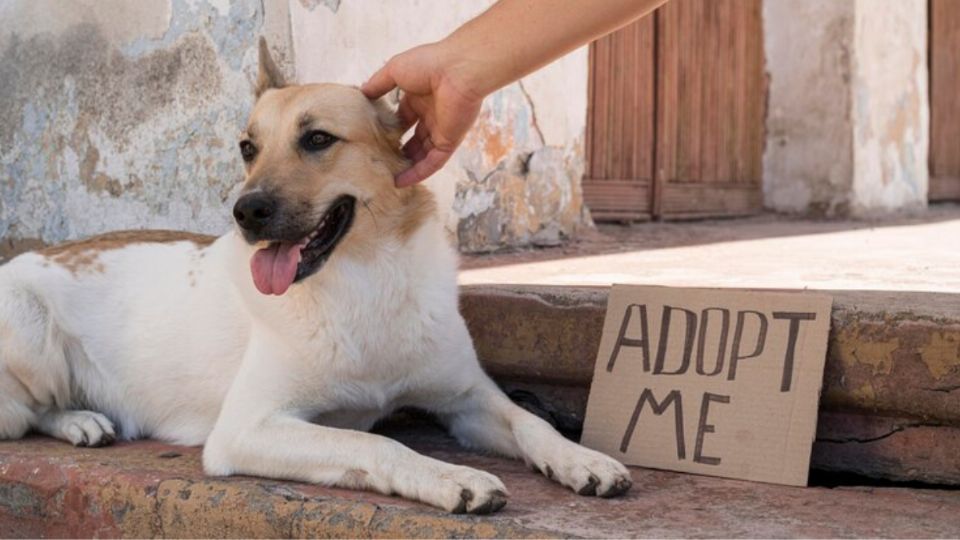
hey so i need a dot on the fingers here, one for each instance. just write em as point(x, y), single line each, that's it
point(405, 112)
point(414, 149)
point(424, 168)
point(379, 83)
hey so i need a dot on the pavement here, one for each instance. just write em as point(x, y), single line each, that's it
point(148, 489)
point(915, 253)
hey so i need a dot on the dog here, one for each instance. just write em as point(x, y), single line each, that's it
point(332, 303)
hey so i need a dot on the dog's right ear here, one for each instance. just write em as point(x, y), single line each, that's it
point(268, 75)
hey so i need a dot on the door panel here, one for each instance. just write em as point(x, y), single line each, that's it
point(677, 108)
point(620, 124)
point(944, 100)
point(710, 109)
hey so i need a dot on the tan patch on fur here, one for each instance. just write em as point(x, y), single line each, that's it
point(419, 206)
point(84, 254)
point(11, 247)
point(362, 163)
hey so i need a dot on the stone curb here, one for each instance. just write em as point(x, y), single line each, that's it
point(149, 489)
point(893, 367)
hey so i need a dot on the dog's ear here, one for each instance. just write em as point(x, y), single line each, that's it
point(268, 75)
point(389, 121)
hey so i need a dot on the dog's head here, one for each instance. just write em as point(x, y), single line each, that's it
point(320, 161)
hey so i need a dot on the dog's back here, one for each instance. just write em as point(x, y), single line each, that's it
point(113, 323)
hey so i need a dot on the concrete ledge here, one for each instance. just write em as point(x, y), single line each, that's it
point(148, 489)
point(893, 367)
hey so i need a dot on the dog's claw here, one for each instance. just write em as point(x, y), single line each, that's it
point(619, 487)
point(465, 497)
point(105, 440)
point(497, 500)
point(591, 487)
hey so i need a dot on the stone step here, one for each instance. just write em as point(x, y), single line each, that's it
point(890, 406)
point(148, 489)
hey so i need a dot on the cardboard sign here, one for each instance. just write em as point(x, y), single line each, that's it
point(708, 381)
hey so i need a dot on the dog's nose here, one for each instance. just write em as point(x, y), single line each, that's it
point(254, 211)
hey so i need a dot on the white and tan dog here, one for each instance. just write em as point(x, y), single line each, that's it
point(278, 344)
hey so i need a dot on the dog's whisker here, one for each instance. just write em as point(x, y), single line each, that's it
point(366, 204)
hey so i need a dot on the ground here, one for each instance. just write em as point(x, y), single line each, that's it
point(149, 489)
point(911, 253)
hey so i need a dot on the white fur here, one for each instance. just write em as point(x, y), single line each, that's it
point(172, 341)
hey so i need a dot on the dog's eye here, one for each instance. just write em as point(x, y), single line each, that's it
point(314, 141)
point(248, 151)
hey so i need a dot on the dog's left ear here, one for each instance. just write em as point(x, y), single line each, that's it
point(268, 74)
point(389, 121)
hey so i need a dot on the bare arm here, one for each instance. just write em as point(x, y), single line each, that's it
point(445, 82)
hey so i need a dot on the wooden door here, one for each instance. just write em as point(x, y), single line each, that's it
point(944, 100)
point(676, 118)
point(710, 108)
point(618, 183)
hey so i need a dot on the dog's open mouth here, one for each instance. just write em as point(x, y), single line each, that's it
point(282, 264)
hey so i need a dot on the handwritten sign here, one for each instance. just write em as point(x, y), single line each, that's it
point(708, 381)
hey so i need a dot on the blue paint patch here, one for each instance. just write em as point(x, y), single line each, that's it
point(233, 34)
point(908, 164)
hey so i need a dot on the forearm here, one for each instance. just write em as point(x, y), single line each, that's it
point(516, 37)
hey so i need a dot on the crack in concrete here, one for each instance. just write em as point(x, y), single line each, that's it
point(943, 389)
point(533, 112)
point(158, 509)
point(867, 440)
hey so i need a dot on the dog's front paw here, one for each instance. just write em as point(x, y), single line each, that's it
point(86, 428)
point(464, 490)
point(587, 472)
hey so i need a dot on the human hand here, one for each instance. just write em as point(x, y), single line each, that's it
point(437, 98)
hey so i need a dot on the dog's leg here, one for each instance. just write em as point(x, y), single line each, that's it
point(282, 446)
point(485, 418)
point(35, 375)
point(263, 431)
point(80, 428)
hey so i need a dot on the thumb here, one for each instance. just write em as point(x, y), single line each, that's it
point(379, 83)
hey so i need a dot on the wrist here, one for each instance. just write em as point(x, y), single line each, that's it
point(473, 75)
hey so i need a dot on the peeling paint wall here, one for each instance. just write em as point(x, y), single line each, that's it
point(891, 106)
point(808, 162)
point(516, 179)
point(121, 114)
point(847, 131)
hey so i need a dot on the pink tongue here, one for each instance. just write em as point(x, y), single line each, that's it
point(274, 267)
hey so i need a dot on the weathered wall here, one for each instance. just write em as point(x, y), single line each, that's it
point(847, 127)
point(891, 106)
point(516, 179)
point(808, 162)
point(121, 114)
